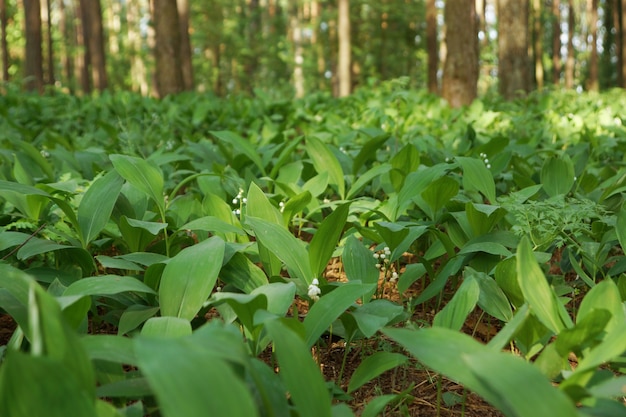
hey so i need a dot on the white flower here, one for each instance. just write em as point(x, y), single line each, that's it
point(314, 290)
point(315, 282)
point(394, 277)
point(376, 255)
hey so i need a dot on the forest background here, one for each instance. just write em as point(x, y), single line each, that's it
point(458, 48)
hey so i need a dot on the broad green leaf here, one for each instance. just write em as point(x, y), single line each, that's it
point(373, 366)
point(212, 224)
point(42, 386)
point(359, 264)
point(134, 316)
point(278, 240)
point(153, 228)
point(368, 151)
point(242, 273)
point(21, 189)
point(492, 299)
point(110, 348)
point(439, 193)
point(325, 161)
point(483, 217)
point(189, 278)
point(10, 239)
point(506, 277)
point(107, 285)
point(476, 177)
point(118, 263)
point(537, 293)
point(166, 327)
point(37, 246)
point(376, 405)
point(301, 375)
point(143, 175)
point(365, 178)
point(620, 227)
point(506, 334)
point(405, 161)
point(414, 184)
point(584, 333)
point(454, 314)
point(557, 175)
point(495, 376)
point(330, 306)
point(95, 209)
point(240, 145)
point(437, 285)
point(376, 314)
point(190, 379)
point(326, 237)
point(604, 296)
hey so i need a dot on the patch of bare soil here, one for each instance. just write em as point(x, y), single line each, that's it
point(7, 327)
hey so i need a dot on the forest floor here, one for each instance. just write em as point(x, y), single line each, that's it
point(427, 394)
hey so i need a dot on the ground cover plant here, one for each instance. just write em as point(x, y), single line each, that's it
point(202, 256)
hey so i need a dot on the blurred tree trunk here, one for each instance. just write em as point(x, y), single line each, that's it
point(185, 45)
point(298, 57)
point(432, 46)
point(138, 73)
point(513, 71)
point(592, 16)
point(49, 67)
point(81, 56)
point(33, 65)
point(460, 74)
point(169, 76)
point(344, 58)
point(65, 48)
point(93, 35)
point(556, 42)
point(622, 36)
point(4, 46)
point(538, 44)
point(570, 62)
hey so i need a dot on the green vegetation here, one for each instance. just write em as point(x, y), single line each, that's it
point(187, 227)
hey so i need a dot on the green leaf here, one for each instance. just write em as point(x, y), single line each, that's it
point(330, 306)
point(299, 372)
point(557, 175)
point(325, 161)
point(495, 376)
point(439, 193)
point(376, 314)
point(362, 180)
point(359, 264)
point(189, 278)
point(143, 175)
point(166, 327)
point(107, 285)
point(476, 177)
point(181, 371)
point(492, 299)
point(537, 293)
point(95, 209)
point(326, 237)
point(454, 314)
point(110, 348)
point(373, 366)
point(212, 224)
point(242, 273)
point(134, 316)
point(279, 241)
point(368, 151)
point(240, 145)
point(604, 296)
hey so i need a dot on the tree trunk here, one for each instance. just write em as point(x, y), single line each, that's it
point(298, 58)
point(538, 44)
point(432, 46)
point(622, 30)
point(93, 34)
point(185, 45)
point(344, 59)
point(68, 35)
point(4, 45)
point(513, 48)
point(33, 55)
point(460, 75)
point(169, 76)
point(49, 67)
point(556, 42)
point(570, 62)
point(592, 14)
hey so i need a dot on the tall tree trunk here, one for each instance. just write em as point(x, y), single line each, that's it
point(169, 76)
point(622, 34)
point(460, 74)
point(345, 46)
point(432, 46)
point(46, 17)
point(592, 14)
point(4, 45)
point(298, 58)
point(93, 34)
point(33, 55)
point(185, 45)
point(556, 42)
point(68, 35)
point(538, 44)
point(570, 62)
point(138, 75)
point(513, 68)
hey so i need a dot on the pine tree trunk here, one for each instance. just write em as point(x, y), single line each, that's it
point(344, 58)
point(169, 76)
point(513, 70)
point(432, 46)
point(33, 55)
point(93, 34)
point(556, 42)
point(185, 45)
point(460, 75)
